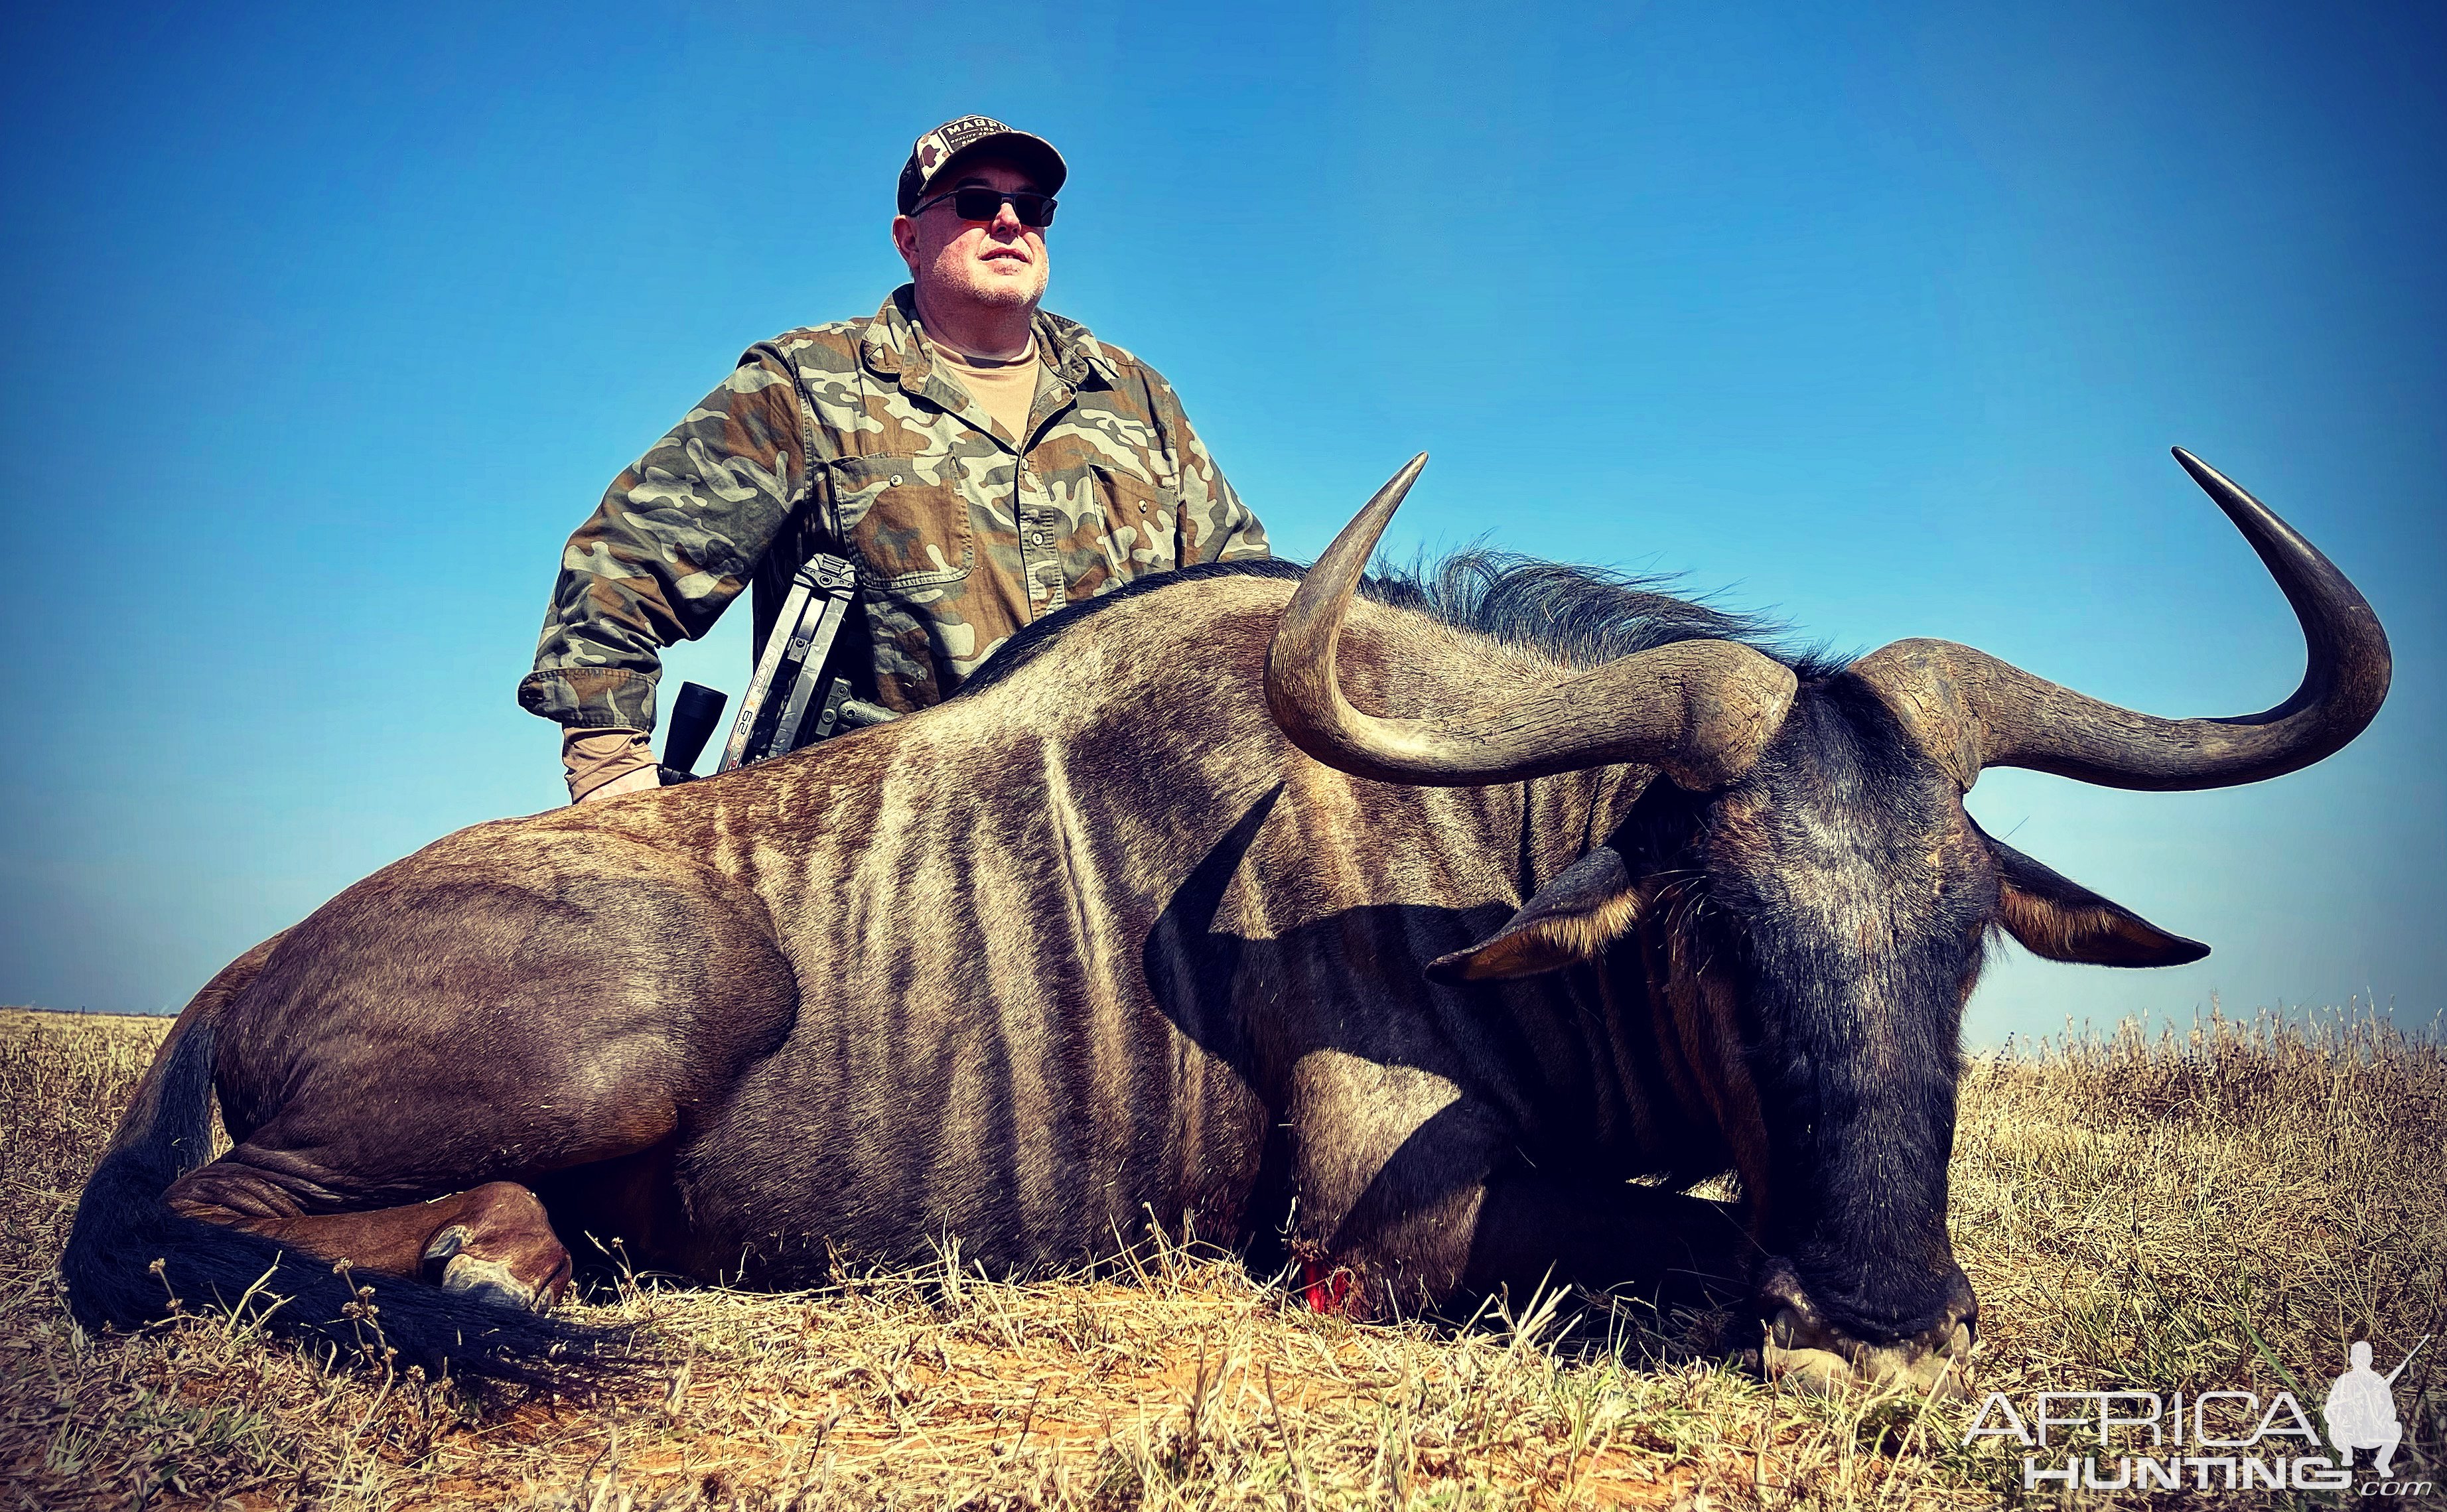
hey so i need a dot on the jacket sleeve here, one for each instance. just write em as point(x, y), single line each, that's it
point(1215, 525)
point(675, 538)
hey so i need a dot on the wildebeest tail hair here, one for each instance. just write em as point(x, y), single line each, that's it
point(129, 1255)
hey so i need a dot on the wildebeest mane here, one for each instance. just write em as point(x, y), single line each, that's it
point(1581, 617)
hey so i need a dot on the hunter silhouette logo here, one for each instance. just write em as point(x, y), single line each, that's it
point(2361, 1408)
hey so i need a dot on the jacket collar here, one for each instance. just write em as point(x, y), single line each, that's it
point(895, 346)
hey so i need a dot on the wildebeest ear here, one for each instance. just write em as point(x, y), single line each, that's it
point(2058, 917)
point(1572, 918)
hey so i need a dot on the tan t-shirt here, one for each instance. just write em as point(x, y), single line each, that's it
point(1004, 389)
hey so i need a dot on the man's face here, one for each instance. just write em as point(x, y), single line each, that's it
point(992, 262)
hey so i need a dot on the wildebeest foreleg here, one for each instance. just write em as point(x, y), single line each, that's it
point(1422, 1195)
point(1532, 1227)
point(493, 1240)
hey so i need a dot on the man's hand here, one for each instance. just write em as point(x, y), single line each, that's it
point(638, 780)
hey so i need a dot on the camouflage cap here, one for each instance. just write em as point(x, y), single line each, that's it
point(971, 135)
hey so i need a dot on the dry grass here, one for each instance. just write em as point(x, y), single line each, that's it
point(2227, 1209)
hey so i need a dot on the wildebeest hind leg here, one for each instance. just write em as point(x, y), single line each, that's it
point(493, 1240)
point(442, 1036)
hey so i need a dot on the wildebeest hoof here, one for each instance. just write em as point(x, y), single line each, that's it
point(439, 1249)
point(1803, 1351)
point(491, 1280)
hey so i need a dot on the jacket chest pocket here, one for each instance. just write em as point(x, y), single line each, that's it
point(908, 528)
point(1142, 521)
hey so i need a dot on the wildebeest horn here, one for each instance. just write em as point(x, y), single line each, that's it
point(1700, 710)
point(1972, 711)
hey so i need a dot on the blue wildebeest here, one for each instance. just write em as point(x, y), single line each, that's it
point(1436, 936)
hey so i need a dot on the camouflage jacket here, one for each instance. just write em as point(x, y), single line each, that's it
point(848, 439)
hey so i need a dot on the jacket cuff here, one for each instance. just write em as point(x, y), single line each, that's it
point(590, 697)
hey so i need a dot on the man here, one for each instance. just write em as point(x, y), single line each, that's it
point(981, 462)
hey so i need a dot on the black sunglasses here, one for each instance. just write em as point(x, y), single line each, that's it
point(979, 203)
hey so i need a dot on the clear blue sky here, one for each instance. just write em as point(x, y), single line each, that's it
point(325, 328)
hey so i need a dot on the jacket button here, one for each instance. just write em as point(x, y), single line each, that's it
point(896, 480)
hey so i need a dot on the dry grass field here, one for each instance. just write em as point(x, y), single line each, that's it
point(2223, 1210)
